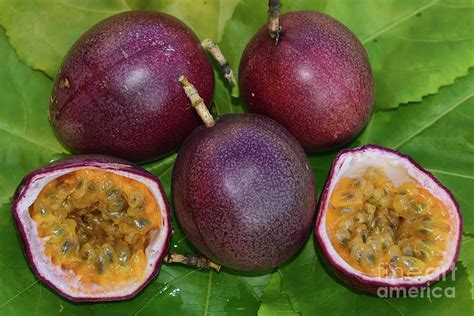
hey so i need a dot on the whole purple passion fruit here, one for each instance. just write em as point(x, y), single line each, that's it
point(116, 92)
point(244, 191)
point(385, 223)
point(316, 81)
point(94, 228)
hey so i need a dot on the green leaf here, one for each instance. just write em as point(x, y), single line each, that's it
point(43, 31)
point(279, 304)
point(413, 56)
point(27, 142)
point(438, 134)
point(177, 291)
point(207, 17)
point(408, 58)
point(313, 290)
point(467, 258)
point(26, 139)
point(223, 103)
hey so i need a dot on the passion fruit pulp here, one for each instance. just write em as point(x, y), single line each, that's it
point(94, 228)
point(387, 231)
point(386, 222)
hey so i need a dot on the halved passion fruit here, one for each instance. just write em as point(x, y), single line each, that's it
point(385, 222)
point(94, 228)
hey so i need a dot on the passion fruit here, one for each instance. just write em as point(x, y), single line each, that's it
point(116, 92)
point(385, 223)
point(316, 79)
point(94, 228)
point(243, 190)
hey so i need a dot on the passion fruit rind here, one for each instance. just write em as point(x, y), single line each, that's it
point(116, 91)
point(42, 266)
point(352, 276)
point(244, 192)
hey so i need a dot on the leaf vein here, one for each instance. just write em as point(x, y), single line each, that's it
point(165, 171)
point(433, 121)
point(453, 174)
point(18, 294)
point(40, 296)
point(369, 129)
point(208, 294)
point(394, 307)
point(249, 287)
point(23, 104)
point(399, 21)
point(125, 4)
point(160, 290)
point(30, 140)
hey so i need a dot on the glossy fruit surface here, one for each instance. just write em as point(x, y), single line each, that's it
point(386, 223)
point(117, 91)
point(317, 81)
point(94, 228)
point(244, 192)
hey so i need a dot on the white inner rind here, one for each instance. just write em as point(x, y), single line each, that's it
point(65, 280)
point(399, 170)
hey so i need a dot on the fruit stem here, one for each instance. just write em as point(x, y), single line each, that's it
point(224, 65)
point(274, 20)
point(197, 102)
point(191, 260)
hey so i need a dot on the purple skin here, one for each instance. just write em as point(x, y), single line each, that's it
point(117, 91)
point(105, 163)
point(354, 280)
point(244, 192)
point(317, 82)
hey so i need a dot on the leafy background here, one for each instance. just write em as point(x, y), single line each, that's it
point(421, 52)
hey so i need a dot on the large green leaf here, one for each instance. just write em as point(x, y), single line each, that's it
point(178, 290)
point(42, 31)
point(313, 290)
point(436, 132)
point(439, 134)
point(206, 17)
point(26, 140)
point(467, 258)
point(409, 59)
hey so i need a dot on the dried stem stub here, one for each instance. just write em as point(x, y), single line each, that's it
point(224, 65)
point(274, 20)
point(191, 260)
point(197, 102)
